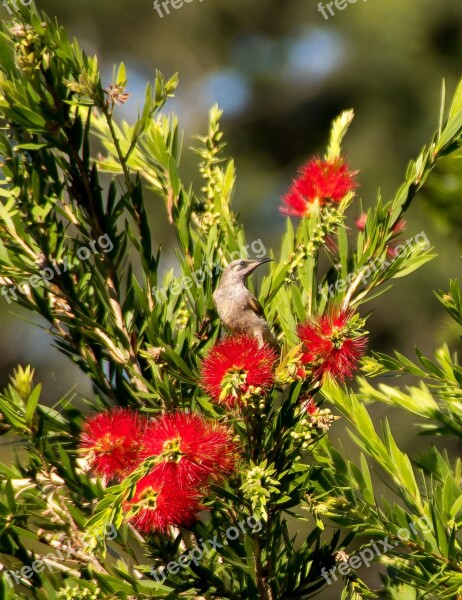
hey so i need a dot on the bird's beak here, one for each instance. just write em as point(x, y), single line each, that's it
point(256, 263)
point(262, 261)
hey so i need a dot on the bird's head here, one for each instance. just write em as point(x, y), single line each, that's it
point(240, 269)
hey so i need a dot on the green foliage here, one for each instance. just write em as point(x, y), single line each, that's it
point(427, 487)
point(141, 339)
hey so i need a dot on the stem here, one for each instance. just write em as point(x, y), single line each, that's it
point(129, 185)
point(454, 566)
point(115, 139)
point(353, 287)
point(264, 591)
point(111, 280)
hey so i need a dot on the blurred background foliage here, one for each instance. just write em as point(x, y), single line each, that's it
point(281, 72)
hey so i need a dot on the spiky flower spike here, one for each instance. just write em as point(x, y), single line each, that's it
point(111, 442)
point(333, 343)
point(237, 366)
point(158, 504)
point(193, 450)
point(318, 181)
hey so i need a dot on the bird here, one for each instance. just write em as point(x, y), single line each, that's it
point(238, 309)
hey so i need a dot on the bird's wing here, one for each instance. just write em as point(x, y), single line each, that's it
point(256, 306)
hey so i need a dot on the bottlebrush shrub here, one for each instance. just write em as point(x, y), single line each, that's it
point(193, 433)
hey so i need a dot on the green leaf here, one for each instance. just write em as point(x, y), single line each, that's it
point(32, 403)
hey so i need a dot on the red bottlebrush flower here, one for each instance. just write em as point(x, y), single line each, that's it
point(234, 366)
point(319, 180)
point(301, 373)
point(331, 345)
point(158, 504)
point(397, 229)
point(193, 449)
point(309, 406)
point(400, 226)
point(111, 440)
point(391, 251)
point(361, 222)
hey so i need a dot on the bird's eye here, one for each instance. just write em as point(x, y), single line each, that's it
point(242, 263)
